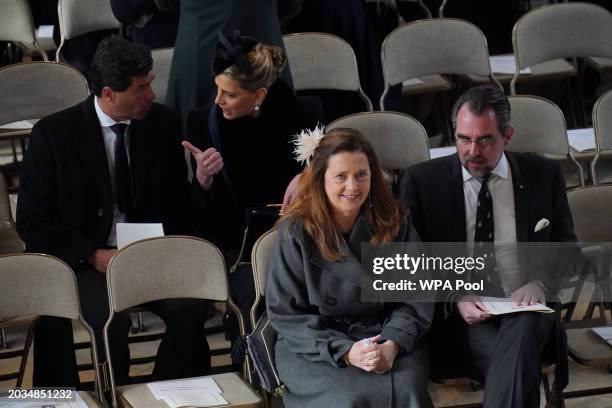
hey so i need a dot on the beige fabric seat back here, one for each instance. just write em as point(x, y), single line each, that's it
point(36, 284)
point(261, 256)
point(539, 127)
point(434, 46)
point(323, 61)
point(78, 17)
point(602, 125)
point(162, 60)
point(398, 139)
point(37, 89)
point(564, 30)
point(168, 267)
point(592, 213)
point(17, 25)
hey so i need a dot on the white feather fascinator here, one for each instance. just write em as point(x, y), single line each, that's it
point(306, 142)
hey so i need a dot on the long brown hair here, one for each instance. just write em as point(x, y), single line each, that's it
point(383, 213)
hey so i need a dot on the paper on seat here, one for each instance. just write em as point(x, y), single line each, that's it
point(193, 392)
point(581, 140)
point(131, 232)
point(605, 333)
point(505, 64)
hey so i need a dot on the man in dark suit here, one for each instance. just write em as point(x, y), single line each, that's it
point(115, 157)
point(452, 199)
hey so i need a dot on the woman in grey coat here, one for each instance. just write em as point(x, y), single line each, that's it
point(333, 350)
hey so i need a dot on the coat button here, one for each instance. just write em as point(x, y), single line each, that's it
point(100, 212)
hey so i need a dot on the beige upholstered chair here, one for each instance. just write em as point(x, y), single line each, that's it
point(17, 25)
point(78, 17)
point(162, 60)
point(556, 32)
point(602, 125)
point(167, 268)
point(323, 61)
point(36, 284)
point(261, 256)
point(407, 53)
point(548, 138)
point(592, 216)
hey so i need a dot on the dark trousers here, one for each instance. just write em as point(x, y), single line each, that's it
point(183, 351)
point(505, 353)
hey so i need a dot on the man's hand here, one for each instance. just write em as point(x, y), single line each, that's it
point(365, 354)
point(100, 259)
point(291, 193)
point(472, 310)
point(208, 162)
point(529, 294)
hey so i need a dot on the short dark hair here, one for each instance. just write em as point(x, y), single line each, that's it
point(117, 60)
point(481, 98)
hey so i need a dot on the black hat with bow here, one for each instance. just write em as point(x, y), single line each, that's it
point(233, 51)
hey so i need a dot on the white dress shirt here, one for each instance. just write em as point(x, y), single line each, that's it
point(504, 218)
point(109, 144)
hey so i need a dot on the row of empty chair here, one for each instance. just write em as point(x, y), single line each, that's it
point(154, 269)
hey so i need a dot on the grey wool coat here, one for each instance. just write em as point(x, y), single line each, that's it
point(315, 305)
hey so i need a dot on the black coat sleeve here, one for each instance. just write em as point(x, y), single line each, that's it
point(39, 222)
point(129, 11)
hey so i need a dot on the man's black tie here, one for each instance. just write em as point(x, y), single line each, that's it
point(122, 171)
point(484, 236)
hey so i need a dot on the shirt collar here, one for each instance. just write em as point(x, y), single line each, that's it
point(105, 120)
point(501, 170)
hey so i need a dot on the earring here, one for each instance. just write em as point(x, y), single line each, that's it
point(256, 107)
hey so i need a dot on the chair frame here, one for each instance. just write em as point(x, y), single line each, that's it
point(385, 62)
point(94, 351)
point(341, 42)
point(570, 155)
point(111, 298)
point(599, 152)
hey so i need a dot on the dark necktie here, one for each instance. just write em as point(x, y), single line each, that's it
point(484, 236)
point(123, 183)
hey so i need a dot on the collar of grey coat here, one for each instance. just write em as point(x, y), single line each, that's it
point(350, 268)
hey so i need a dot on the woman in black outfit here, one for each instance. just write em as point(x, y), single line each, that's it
point(242, 142)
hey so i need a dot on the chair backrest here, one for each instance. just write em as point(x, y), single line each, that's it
point(260, 260)
point(323, 61)
point(562, 30)
point(36, 89)
point(602, 125)
point(36, 284)
point(166, 268)
point(592, 213)
point(539, 127)
point(398, 139)
point(162, 60)
point(17, 24)
point(548, 138)
point(434, 46)
point(78, 17)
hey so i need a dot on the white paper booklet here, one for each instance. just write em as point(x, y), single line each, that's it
point(131, 232)
point(583, 140)
point(605, 332)
point(194, 392)
point(500, 306)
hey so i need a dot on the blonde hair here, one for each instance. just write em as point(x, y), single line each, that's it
point(383, 213)
point(266, 61)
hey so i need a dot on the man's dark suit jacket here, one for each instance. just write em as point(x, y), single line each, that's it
point(433, 191)
point(65, 205)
